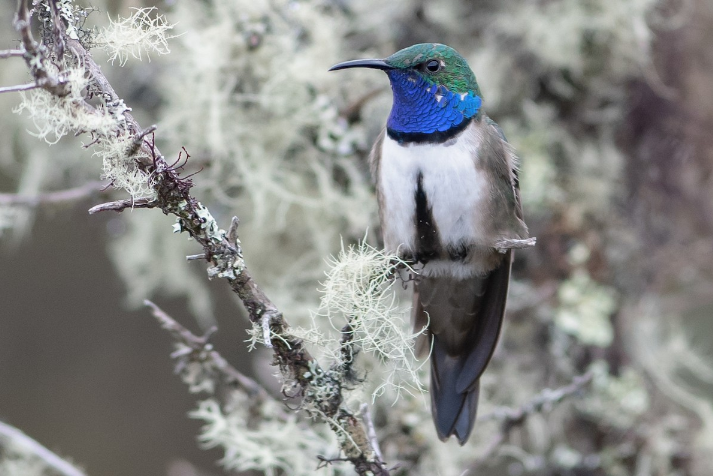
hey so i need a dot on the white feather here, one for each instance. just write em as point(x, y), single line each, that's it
point(454, 189)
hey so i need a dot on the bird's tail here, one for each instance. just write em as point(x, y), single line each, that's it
point(464, 317)
point(453, 412)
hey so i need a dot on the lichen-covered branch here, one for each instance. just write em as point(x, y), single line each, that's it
point(511, 244)
point(121, 205)
point(171, 194)
point(195, 349)
point(36, 54)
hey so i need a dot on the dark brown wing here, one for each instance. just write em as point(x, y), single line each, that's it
point(465, 319)
point(465, 315)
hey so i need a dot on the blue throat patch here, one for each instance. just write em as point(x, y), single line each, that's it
point(418, 112)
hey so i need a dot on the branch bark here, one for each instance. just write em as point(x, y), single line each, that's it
point(36, 53)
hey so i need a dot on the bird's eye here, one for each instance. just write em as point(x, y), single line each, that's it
point(433, 66)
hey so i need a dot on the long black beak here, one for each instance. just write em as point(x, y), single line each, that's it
point(365, 63)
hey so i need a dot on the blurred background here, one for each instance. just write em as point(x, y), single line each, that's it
point(610, 108)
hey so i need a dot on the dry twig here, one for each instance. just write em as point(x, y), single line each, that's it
point(511, 244)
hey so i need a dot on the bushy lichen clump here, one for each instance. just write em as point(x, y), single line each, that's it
point(271, 445)
point(255, 433)
point(359, 291)
point(138, 36)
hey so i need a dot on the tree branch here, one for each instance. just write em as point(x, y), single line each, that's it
point(35, 53)
point(224, 254)
point(221, 249)
point(510, 418)
point(16, 441)
point(370, 430)
point(121, 205)
point(203, 353)
point(61, 196)
point(542, 401)
point(512, 244)
point(11, 53)
point(20, 87)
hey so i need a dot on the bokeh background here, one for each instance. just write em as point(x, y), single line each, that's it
point(610, 107)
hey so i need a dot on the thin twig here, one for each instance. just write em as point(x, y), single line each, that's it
point(370, 430)
point(11, 53)
point(19, 87)
point(204, 351)
point(121, 205)
point(61, 196)
point(13, 439)
point(139, 137)
point(233, 231)
point(512, 244)
point(510, 418)
point(542, 401)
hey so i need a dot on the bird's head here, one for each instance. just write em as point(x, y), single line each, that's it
point(434, 88)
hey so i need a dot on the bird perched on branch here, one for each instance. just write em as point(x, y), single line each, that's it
point(447, 187)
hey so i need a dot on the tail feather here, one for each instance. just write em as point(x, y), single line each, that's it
point(453, 412)
point(464, 318)
point(466, 418)
point(489, 323)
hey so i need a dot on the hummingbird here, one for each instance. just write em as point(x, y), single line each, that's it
point(447, 189)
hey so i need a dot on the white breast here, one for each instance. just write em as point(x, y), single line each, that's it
point(451, 182)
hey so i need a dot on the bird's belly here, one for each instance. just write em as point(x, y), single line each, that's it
point(453, 188)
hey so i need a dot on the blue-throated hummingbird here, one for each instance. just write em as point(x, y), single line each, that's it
point(447, 188)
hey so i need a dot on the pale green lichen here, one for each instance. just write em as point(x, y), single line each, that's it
point(585, 309)
point(208, 224)
point(121, 170)
point(272, 446)
point(139, 35)
point(55, 117)
point(70, 13)
point(621, 400)
point(360, 290)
